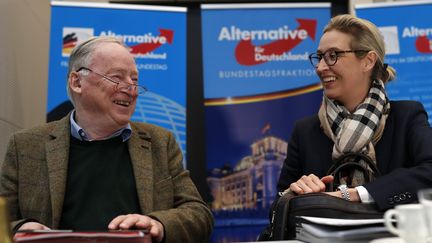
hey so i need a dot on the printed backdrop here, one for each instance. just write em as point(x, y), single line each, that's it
point(156, 37)
point(257, 82)
point(407, 31)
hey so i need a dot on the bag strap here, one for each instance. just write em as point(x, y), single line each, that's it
point(280, 214)
point(342, 163)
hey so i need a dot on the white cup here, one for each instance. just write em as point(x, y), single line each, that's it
point(425, 198)
point(410, 222)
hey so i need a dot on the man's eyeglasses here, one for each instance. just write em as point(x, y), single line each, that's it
point(330, 56)
point(119, 84)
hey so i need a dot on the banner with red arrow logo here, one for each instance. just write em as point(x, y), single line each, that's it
point(248, 54)
point(156, 37)
point(165, 37)
point(257, 81)
point(407, 31)
point(259, 50)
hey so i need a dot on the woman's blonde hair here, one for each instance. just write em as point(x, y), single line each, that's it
point(365, 36)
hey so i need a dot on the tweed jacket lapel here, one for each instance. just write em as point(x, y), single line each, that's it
point(141, 156)
point(57, 155)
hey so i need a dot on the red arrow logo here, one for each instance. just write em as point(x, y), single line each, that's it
point(423, 44)
point(245, 50)
point(155, 42)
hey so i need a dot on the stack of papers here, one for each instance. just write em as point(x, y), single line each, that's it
point(322, 230)
point(64, 236)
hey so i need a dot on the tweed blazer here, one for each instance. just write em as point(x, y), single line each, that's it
point(404, 155)
point(33, 179)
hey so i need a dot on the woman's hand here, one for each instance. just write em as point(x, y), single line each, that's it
point(354, 196)
point(310, 183)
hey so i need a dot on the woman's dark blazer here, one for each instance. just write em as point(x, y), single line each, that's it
point(404, 155)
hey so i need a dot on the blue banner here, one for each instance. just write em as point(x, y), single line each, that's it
point(156, 37)
point(407, 31)
point(257, 81)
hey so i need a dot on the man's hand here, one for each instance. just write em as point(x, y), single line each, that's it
point(310, 183)
point(33, 226)
point(124, 222)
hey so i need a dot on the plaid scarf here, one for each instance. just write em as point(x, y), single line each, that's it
point(358, 131)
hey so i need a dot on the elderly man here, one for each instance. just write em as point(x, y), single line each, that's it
point(97, 170)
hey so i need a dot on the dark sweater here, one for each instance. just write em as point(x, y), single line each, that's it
point(100, 184)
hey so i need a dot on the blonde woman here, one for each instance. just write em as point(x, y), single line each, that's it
point(357, 116)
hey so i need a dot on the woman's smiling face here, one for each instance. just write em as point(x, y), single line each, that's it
point(347, 81)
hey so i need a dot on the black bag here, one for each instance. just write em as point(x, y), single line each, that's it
point(289, 206)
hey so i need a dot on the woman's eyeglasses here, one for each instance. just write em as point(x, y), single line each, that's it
point(330, 56)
